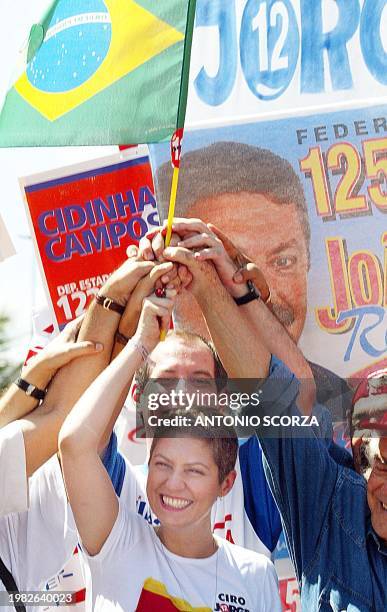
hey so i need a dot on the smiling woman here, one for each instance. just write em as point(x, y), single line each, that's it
point(181, 566)
point(186, 475)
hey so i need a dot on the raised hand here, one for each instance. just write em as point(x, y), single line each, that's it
point(63, 349)
point(151, 248)
point(247, 270)
point(207, 246)
point(129, 320)
point(200, 274)
point(155, 317)
point(121, 283)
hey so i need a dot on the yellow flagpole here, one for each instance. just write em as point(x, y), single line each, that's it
point(171, 214)
point(172, 204)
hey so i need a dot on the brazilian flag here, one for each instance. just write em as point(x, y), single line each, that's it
point(102, 72)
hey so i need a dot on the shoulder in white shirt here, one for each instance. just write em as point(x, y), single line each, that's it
point(13, 475)
point(36, 543)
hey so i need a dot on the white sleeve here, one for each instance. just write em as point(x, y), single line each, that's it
point(36, 544)
point(134, 486)
point(13, 475)
point(271, 596)
point(124, 534)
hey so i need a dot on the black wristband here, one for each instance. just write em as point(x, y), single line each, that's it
point(252, 294)
point(30, 389)
point(109, 304)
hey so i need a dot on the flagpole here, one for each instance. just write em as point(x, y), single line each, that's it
point(172, 204)
point(171, 214)
point(178, 135)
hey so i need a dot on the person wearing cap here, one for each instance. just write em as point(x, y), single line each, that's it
point(369, 414)
point(333, 507)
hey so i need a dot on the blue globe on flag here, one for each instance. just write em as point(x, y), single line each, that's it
point(74, 47)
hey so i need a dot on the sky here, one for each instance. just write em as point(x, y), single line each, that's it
point(21, 287)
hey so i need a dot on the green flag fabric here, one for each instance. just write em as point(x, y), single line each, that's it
point(102, 72)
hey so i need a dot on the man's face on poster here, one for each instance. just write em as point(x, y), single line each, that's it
point(271, 235)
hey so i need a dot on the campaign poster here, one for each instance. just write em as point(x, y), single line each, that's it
point(306, 199)
point(83, 218)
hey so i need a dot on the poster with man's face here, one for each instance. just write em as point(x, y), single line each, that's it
point(306, 199)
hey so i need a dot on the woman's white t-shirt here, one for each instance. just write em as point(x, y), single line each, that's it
point(134, 572)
